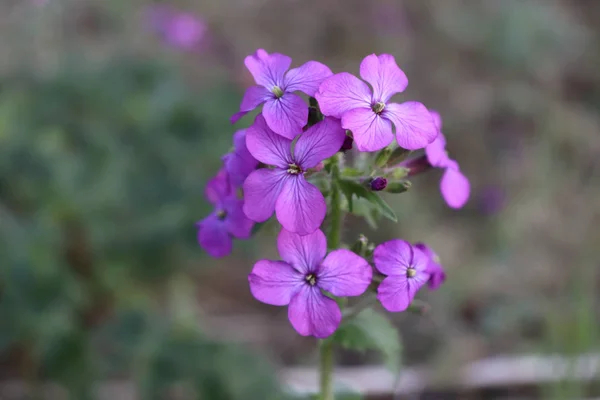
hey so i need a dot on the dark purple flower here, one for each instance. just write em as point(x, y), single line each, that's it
point(406, 268)
point(378, 184)
point(299, 205)
point(215, 231)
point(285, 112)
point(179, 29)
point(368, 114)
point(347, 144)
point(455, 187)
point(239, 163)
point(435, 269)
point(298, 279)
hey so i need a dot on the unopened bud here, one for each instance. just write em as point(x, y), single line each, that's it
point(398, 155)
point(347, 145)
point(398, 187)
point(360, 246)
point(382, 157)
point(378, 184)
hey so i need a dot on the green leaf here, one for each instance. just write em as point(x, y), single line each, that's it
point(350, 188)
point(352, 172)
point(370, 330)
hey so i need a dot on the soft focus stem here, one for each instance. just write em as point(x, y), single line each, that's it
point(326, 369)
point(335, 216)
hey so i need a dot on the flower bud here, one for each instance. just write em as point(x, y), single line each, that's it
point(398, 173)
point(378, 184)
point(398, 187)
point(360, 246)
point(382, 157)
point(347, 144)
point(398, 155)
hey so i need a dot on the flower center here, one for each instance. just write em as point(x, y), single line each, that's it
point(378, 107)
point(221, 214)
point(311, 279)
point(411, 272)
point(277, 91)
point(294, 169)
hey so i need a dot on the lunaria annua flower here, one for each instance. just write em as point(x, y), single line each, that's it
point(177, 28)
point(299, 205)
point(215, 231)
point(298, 279)
point(435, 269)
point(285, 112)
point(406, 268)
point(239, 163)
point(454, 186)
point(369, 114)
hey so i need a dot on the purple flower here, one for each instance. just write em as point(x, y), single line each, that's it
point(228, 219)
point(435, 269)
point(406, 268)
point(368, 114)
point(177, 28)
point(285, 112)
point(455, 187)
point(239, 163)
point(298, 279)
point(378, 184)
point(299, 205)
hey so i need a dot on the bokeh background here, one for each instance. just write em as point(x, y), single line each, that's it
point(114, 114)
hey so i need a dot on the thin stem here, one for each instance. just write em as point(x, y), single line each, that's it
point(336, 217)
point(326, 369)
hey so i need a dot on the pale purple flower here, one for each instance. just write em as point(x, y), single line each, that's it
point(239, 163)
point(454, 186)
point(297, 281)
point(369, 114)
point(406, 268)
point(435, 269)
point(215, 232)
point(285, 112)
point(177, 28)
point(299, 205)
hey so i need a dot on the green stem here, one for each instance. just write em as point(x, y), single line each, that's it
point(326, 369)
point(335, 221)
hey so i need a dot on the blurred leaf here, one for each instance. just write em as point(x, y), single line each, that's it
point(352, 188)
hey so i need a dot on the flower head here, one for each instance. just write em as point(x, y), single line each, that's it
point(406, 268)
point(297, 281)
point(179, 29)
point(299, 205)
point(284, 112)
point(455, 186)
point(215, 231)
point(239, 163)
point(369, 114)
point(435, 269)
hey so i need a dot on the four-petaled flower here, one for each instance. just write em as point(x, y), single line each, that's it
point(454, 186)
point(435, 269)
point(285, 112)
point(406, 268)
point(239, 163)
point(299, 205)
point(298, 279)
point(369, 114)
point(215, 231)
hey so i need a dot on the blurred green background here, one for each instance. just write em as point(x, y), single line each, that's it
point(108, 134)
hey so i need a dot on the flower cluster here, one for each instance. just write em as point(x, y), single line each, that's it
point(291, 162)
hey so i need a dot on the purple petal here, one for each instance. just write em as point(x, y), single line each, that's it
point(455, 187)
point(436, 152)
point(437, 119)
point(307, 77)
point(384, 75)
point(313, 314)
point(415, 128)
point(302, 252)
point(286, 115)
point(267, 146)
point(397, 292)
point(341, 93)
point(268, 69)
point(437, 276)
point(393, 257)
point(344, 273)
point(213, 236)
point(420, 263)
point(274, 282)
point(236, 222)
point(240, 163)
point(319, 142)
point(218, 188)
point(301, 207)
point(261, 190)
point(371, 132)
point(254, 97)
